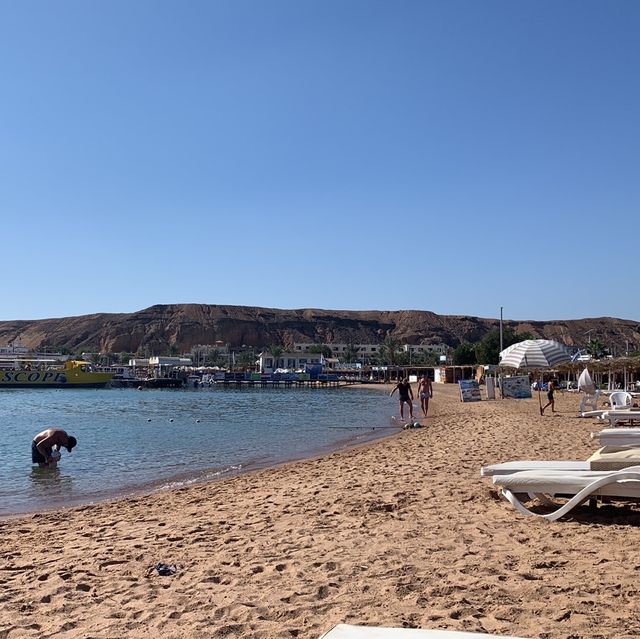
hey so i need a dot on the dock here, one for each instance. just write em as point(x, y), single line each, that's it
point(279, 383)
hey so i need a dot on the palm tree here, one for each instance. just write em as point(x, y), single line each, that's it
point(275, 351)
point(351, 353)
point(596, 348)
point(390, 351)
point(247, 359)
point(214, 358)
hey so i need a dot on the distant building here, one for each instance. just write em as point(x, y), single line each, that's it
point(14, 348)
point(367, 352)
point(415, 349)
point(139, 362)
point(170, 361)
point(287, 360)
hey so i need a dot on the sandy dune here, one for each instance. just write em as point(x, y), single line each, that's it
point(402, 532)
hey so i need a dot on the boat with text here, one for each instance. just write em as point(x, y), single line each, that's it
point(69, 374)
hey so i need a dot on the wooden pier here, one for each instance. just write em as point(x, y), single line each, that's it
point(282, 383)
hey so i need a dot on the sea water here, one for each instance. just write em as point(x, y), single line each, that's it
point(131, 441)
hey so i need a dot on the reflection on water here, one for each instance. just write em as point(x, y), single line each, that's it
point(50, 483)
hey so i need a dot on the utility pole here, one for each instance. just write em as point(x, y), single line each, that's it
point(501, 329)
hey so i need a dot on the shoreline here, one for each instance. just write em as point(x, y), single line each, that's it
point(397, 532)
point(187, 479)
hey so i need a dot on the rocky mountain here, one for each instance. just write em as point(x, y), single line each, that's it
point(177, 327)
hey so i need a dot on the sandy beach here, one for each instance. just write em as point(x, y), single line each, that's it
point(400, 532)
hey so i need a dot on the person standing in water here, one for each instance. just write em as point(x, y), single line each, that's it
point(425, 393)
point(47, 442)
point(405, 395)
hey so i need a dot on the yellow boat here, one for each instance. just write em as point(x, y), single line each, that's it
point(72, 374)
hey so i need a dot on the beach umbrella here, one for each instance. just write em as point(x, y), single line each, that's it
point(535, 354)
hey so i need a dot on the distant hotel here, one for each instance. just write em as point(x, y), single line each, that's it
point(302, 355)
point(368, 351)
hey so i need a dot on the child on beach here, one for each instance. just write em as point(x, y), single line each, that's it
point(551, 402)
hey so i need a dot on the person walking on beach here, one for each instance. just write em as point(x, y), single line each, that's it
point(405, 395)
point(47, 443)
point(550, 388)
point(425, 392)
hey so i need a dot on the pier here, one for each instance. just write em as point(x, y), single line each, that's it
point(278, 383)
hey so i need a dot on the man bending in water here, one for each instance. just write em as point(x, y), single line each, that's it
point(44, 444)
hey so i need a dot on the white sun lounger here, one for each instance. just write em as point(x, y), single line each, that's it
point(609, 457)
point(346, 631)
point(510, 467)
point(601, 411)
point(593, 413)
point(621, 416)
point(618, 437)
point(578, 485)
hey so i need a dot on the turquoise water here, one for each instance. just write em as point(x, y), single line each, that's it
point(131, 441)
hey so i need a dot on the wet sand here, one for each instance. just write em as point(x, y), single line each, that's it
point(400, 532)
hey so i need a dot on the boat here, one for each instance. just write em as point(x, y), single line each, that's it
point(73, 373)
point(161, 382)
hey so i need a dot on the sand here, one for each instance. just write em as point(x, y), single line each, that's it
point(400, 532)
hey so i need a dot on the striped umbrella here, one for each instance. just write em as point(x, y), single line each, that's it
point(535, 354)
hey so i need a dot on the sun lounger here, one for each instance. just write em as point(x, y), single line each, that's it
point(618, 437)
point(346, 631)
point(621, 416)
point(594, 413)
point(610, 457)
point(510, 467)
point(579, 486)
point(601, 411)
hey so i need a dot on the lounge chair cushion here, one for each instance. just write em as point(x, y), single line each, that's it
point(614, 458)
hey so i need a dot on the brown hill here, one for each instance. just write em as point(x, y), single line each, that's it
point(161, 328)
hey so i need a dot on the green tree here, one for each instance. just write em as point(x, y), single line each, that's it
point(246, 359)
point(320, 348)
point(351, 353)
point(390, 351)
point(275, 351)
point(488, 350)
point(465, 354)
point(426, 358)
point(214, 358)
point(596, 348)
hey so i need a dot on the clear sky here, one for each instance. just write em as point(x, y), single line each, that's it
point(453, 156)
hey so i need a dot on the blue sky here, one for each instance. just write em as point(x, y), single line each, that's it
point(452, 156)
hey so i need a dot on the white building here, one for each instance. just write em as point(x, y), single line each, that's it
point(414, 349)
point(369, 351)
point(365, 351)
point(170, 361)
point(287, 360)
point(14, 348)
